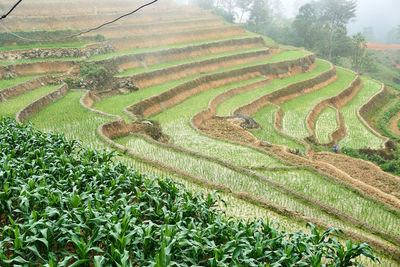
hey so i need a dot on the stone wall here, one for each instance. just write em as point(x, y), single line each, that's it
point(59, 52)
point(44, 67)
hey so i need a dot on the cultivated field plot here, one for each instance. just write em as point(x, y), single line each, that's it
point(168, 101)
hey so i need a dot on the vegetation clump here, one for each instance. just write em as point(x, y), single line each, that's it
point(61, 204)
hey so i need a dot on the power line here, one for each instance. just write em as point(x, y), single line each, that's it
point(76, 34)
point(11, 10)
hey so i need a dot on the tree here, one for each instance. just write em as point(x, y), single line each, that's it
point(261, 17)
point(226, 9)
point(305, 26)
point(334, 17)
point(359, 56)
point(393, 36)
point(322, 27)
point(368, 33)
point(398, 32)
point(244, 6)
point(205, 4)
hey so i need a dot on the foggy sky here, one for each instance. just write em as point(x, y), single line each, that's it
point(382, 15)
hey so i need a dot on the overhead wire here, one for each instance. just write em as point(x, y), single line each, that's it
point(11, 10)
point(75, 34)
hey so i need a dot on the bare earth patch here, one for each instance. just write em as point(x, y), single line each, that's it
point(364, 172)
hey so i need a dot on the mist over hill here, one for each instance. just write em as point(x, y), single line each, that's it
point(378, 16)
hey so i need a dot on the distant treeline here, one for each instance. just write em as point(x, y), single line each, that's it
point(320, 26)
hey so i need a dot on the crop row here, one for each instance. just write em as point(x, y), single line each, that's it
point(297, 109)
point(10, 107)
point(116, 104)
point(229, 105)
point(5, 83)
point(326, 123)
point(357, 134)
point(266, 118)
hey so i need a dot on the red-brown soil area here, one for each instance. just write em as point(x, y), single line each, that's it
point(378, 46)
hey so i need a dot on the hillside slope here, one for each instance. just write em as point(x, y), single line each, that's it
point(176, 90)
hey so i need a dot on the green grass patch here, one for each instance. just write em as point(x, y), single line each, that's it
point(228, 106)
point(199, 102)
point(296, 110)
point(266, 118)
point(5, 83)
point(326, 123)
point(130, 72)
point(357, 134)
point(10, 107)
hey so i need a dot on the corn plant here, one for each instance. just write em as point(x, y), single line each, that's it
point(63, 205)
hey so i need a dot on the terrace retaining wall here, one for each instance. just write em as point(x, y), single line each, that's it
point(363, 111)
point(33, 68)
point(289, 92)
point(57, 52)
point(162, 39)
point(36, 106)
point(156, 104)
point(168, 26)
point(146, 59)
point(24, 87)
point(177, 72)
point(335, 102)
point(207, 114)
point(29, 23)
point(46, 8)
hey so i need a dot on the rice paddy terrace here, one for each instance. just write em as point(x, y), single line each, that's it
point(181, 93)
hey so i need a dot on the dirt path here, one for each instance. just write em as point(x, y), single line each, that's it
point(393, 124)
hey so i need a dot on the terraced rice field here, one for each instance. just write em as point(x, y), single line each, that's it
point(267, 132)
point(325, 125)
point(5, 83)
point(220, 76)
point(357, 133)
point(296, 110)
